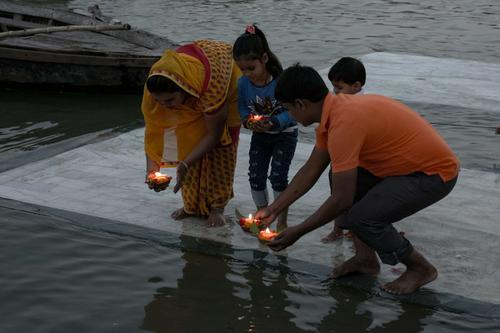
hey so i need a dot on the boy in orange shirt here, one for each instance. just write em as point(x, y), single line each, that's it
point(388, 163)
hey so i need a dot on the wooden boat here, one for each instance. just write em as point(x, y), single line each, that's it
point(92, 52)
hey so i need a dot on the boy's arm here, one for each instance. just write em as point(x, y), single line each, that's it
point(301, 183)
point(344, 189)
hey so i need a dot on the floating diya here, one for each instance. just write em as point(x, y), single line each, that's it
point(267, 235)
point(247, 222)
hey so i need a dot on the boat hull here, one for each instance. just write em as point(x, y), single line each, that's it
point(71, 71)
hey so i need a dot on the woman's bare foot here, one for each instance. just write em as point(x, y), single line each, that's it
point(418, 272)
point(216, 217)
point(179, 214)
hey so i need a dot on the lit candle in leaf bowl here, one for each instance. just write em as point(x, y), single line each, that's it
point(247, 222)
point(267, 235)
point(158, 181)
point(257, 117)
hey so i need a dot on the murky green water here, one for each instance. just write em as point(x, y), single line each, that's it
point(56, 277)
point(33, 119)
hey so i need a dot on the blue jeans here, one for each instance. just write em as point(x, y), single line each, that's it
point(277, 150)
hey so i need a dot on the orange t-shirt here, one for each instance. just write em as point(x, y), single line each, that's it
point(382, 136)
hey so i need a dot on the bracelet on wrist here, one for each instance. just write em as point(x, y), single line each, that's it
point(184, 163)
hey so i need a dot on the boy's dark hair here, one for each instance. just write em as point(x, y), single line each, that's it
point(161, 84)
point(348, 70)
point(251, 45)
point(300, 82)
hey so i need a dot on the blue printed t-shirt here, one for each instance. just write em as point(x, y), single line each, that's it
point(259, 100)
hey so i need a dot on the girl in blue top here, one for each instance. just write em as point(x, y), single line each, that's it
point(274, 136)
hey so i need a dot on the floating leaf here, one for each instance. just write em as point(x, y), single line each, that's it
point(254, 229)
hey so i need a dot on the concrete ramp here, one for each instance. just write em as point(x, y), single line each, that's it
point(414, 78)
point(460, 235)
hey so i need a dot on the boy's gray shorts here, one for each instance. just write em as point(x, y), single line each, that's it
point(379, 202)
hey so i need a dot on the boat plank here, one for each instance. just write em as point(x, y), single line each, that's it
point(40, 56)
point(79, 41)
point(20, 24)
point(35, 10)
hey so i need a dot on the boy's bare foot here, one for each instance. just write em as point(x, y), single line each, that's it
point(179, 214)
point(358, 264)
point(418, 272)
point(364, 261)
point(331, 237)
point(216, 217)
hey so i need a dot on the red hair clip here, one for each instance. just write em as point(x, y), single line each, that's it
point(250, 29)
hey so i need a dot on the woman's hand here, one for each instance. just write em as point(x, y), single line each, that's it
point(182, 170)
point(286, 238)
point(146, 180)
point(266, 216)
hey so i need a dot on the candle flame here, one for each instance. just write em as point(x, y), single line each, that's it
point(250, 216)
point(267, 231)
point(158, 174)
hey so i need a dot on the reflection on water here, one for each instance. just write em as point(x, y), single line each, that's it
point(59, 278)
point(32, 119)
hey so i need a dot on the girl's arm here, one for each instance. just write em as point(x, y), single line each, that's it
point(243, 108)
point(281, 121)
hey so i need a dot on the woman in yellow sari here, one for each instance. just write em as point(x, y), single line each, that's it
point(192, 123)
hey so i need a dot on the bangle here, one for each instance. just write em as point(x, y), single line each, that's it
point(185, 164)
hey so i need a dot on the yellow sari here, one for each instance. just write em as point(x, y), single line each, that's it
point(206, 71)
